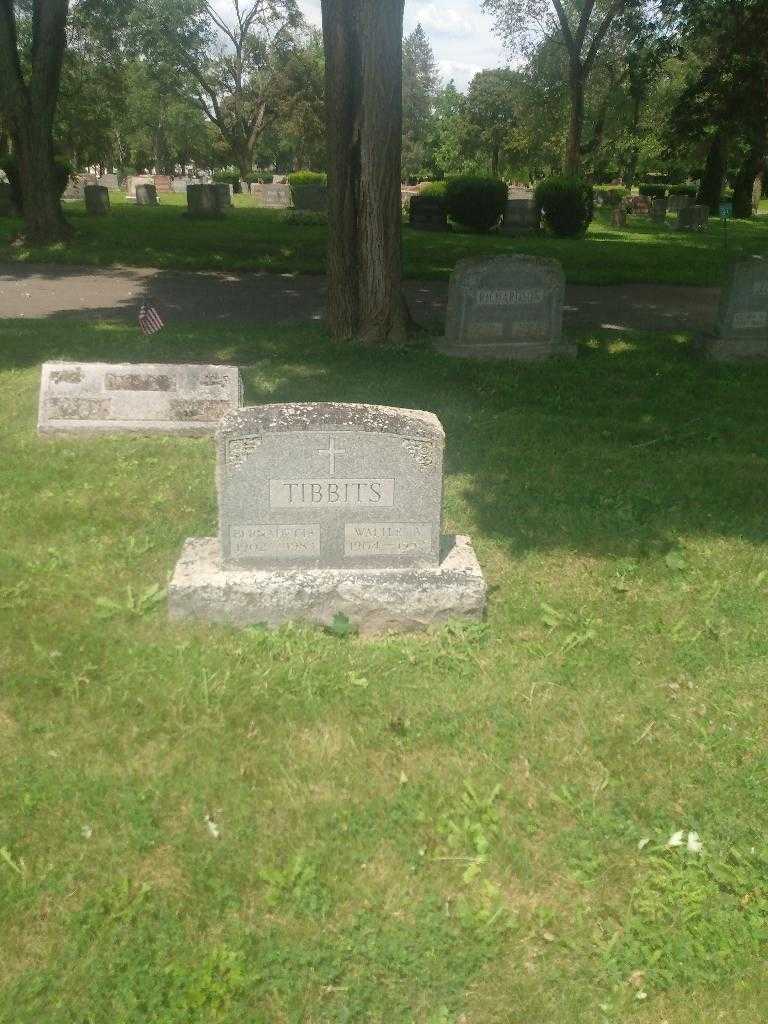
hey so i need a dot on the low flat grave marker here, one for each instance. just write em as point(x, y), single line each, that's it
point(135, 398)
point(506, 307)
point(742, 324)
point(324, 509)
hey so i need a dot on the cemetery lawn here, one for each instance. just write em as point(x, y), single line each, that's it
point(253, 239)
point(466, 827)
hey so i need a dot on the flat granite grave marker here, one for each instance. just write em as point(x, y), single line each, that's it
point(741, 333)
point(135, 398)
point(329, 508)
point(506, 307)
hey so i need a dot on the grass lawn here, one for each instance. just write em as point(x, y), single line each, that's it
point(253, 239)
point(461, 828)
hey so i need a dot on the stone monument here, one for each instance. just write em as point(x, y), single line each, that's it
point(7, 208)
point(96, 199)
point(521, 217)
point(326, 509)
point(206, 201)
point(741, 333)
point(109, 181)
point(692, 218)
point(659, 209)
point(274, 196)
point(135, 398)
point(427, 213)
point(506, 307)
point(146, 195)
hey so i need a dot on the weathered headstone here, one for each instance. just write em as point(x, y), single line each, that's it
point(427, 213)
point(7, 208)
point(742, 323)
point(506, 307)
point(109, 181)
point(639, 204)
point(329, 509)
point(96, 199)
point(206, 201)
point(310, 197)
point(692, 218)
point(677, 203)
point(146, 195)
point(135, 398)
point(275, 196)
point(223, 193)
point(180, 185)
point(162, 182)
point(659, 209)
point(134, 180)
point(521, 217)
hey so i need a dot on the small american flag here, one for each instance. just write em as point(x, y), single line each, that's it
point(149, 319)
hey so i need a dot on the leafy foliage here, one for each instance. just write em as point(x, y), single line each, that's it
point(567, 205)
point(475, 202)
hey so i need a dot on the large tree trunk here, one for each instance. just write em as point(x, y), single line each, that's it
point(576, 120)
point(363, 69)
point(711, 185)
point(744, 184)
point(30, 105)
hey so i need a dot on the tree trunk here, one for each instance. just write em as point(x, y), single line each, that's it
point(711, 186)
point(363, 71)
point(30, 104)
point(744, 184)
point(495, 154)
point(576, 121)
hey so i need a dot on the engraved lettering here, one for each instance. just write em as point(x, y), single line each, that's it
point(324, 493)
point(747, 321)
point(66, 377)
point(137, 382)
point(275, 541)
point(387, 539)
point(509, 296)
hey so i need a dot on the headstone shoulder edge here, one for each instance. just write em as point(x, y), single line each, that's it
point(330, 416)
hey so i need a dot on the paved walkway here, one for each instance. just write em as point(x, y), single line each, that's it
point(116, 293)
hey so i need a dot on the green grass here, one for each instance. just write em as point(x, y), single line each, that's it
point(252, 239)
point(433, 829)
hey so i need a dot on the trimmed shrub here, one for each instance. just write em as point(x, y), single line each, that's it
point(261, 179)
point(611, 195)
point(299, 178)
point(228, 178)
point(62, 172)
point(435, 189)
point(475, 202)
point(652, 191)
point(682, 190)
point(567, 205)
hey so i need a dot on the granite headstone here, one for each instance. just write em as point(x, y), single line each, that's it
point(742, 323)
point(506, 307)
point(521, 217)
point(96, 199)
point(135, 398)
point(692, 218)
point(427, 213)
point(146, 195)
point(329, 508)
point(274, 196)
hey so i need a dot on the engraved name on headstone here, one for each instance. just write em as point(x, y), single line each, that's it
point(329, 485)
point(141, 398)
point(742, 325)
point(506, 307)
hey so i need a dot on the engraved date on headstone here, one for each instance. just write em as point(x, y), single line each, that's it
point(199, 411)
point(66, 376)
point(386, 539)
point(277, 541)
point(750, 321)
point(79, 408)
point(137, 382)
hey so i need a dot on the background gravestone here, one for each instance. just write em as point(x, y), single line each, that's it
point(109, 181)
point(223, 193)
point(7, 208)
point(427, 213)
point(328, 508)
point(96, 199)
point(619, 216)
point(274, 196)
point(205, 201)
point(659, 209)
point(162, 182)
point(692, 218)
point(135, 398)
point(133, 180)
point(506, 307)
point(180, 185)
point(310, 197)
point(146, 195)
point(521, 217)
point(742, 323)
point(676, 203)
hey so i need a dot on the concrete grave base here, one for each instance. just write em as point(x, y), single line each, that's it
point(375, 600)
point(516, 351)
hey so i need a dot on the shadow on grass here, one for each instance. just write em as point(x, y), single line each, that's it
point(623, 451)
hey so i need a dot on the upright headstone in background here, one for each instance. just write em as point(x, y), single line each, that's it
point(742, 323)
point(96, 199)
point(427, 213)
point(162, 183)
point(223, 193)
point(310, 197)
point(659, 209)
point(7, 208)
point(180, 185)
point(328, 509)
point(275, 196)
point(506, 307)
point(133, 180)
point(521, 217)
point(109, 181)
point(676, 203)
point(206, 201)
point(692, 218)
point(135, 398)
point(146, 195)
point(639, 205)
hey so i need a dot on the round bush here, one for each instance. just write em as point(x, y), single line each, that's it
point(682, 190)
point(10, 164)
point(435, 190)
point(299, 178)
point(475, 202)
point(567, 205)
